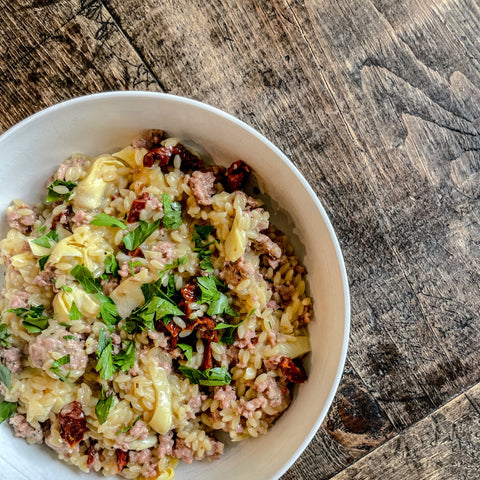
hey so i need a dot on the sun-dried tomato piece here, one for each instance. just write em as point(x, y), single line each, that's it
point(163, 156)
point(237, 176)
point(293, 373)
point(189, 296)
point(92, 454)
point(72, 423)
point(207, 361)
point(137, 206)
point(160, 156)
point(205, 325)
point(121, 459)
point(173, 329)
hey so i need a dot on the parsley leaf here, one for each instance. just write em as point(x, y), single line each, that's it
point(206, 265)
point(33, 321)
point(125, 429)
point(4, 335)
point(104, 220)
point(136, 237)
point(125, 359)
point(42, 261)
point(5, 376)
point(108, 310)
point(201, 233)
point(53, 196)
point(74, 313)
point(7, 409)
point(187, 350)
point(157, 308)
point(55, 368)
point(46, 238)
point(172, 213)
point(176, 263)
point(111, 265)
point(66, 288)
point(86, 279)
point(69, 337)
point(217, 301)
point(211, 377)
point(103, 406)
point(104, 353)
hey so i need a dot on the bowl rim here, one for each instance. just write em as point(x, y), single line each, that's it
point(229, 117)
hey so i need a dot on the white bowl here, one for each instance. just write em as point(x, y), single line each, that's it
point(104, 122)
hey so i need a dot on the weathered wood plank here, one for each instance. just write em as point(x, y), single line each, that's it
point(85, 55)
point(443, 445)
point(354, 426)
point(406, 78)
point(250, 58)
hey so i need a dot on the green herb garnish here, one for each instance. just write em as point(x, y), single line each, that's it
point(53, 196)
point(125, 359)
point(42, 261)
point(33, 319)
point(216, 300)
point(136, 237)
point(108, 310)
point(86, 279)
point(66, 288)
point(55, 368)
point(172, 213)
point(4, 335)
point(74, 313)
point(5, 376)
point(187, 350)
point(69, 337)
point(126, 429)
point(111, 265)
point(104, 220)
point(211, 377)
point(46, 239)
point(103, 406)
point(104, 353)
point(7, 409)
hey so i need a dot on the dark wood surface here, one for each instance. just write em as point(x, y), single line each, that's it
point(377, 102)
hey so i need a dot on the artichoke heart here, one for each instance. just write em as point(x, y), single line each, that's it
point(236, 240)
point(87, 304)
point(90, 191)
point(161, 420)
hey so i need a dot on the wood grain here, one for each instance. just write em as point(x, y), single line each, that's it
point(444, 445)
point(86, 54)
point(377, 102)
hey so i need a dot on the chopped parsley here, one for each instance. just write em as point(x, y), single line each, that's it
point(42, 261)
point(217, 301)
point(210, 378)
point(33, 319)
point(69, 337)
point(46, 239)
point(7, 409)
point(66, 288)
point(172, 213)
point(53, 196)
point(4, 335)
point(55, 368)
point(108, 310)
point(126, 429)
point(125, 359)
point(186, 349)
point(199, 236)
point(136, 237)
point(104, 353)
point(104, 220)
point(157, 308)
point(103, 406)
point(74, 313)
point(229, 330)
point(5, 376)
point(111, 265)
point(86, 279)
point(176, 263)
point(133, 265)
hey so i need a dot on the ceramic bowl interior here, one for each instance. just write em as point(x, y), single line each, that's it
point(29, 153)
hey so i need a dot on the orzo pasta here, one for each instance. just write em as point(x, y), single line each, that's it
point(148, 304)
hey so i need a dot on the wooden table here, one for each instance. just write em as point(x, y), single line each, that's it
point(377, 102)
